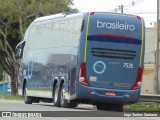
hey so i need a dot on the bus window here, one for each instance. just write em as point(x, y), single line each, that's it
point(19, 50)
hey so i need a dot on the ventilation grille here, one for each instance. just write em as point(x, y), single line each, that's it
point(113, 53)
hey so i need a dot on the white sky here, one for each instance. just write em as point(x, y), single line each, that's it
point(146, 9)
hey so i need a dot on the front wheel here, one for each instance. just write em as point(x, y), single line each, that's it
point(27, 99)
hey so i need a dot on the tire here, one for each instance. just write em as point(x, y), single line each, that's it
point(27, 99)
point(36, 100)
point(56, 96)
point(117, 107)
point(63, 102)
point(73, 104)
point(102, 106)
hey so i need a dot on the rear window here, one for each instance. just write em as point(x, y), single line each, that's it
point(117, 25)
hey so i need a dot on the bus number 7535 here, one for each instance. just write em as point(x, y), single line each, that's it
point(128, 65)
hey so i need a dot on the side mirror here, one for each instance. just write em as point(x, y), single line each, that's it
point(18, 53)
point(19, 50)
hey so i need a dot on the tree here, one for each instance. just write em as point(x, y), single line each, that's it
point(31, 9)
point(7, 57)
point(1, 73)
point(15, 16)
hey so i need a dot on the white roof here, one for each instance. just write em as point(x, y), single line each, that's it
point(60, 15)
point(49, 17)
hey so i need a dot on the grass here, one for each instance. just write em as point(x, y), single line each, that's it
point(11, 97)
point(143, 106)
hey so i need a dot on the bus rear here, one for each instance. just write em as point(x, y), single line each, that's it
point(112, 65)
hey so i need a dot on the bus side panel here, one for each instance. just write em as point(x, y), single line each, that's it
point(51, 52)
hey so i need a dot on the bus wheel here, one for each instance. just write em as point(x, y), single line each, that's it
point(27, 99)
point(63, 102)
point(56, 96)
point(102, 106)
point(117, 107)
point(73, 104)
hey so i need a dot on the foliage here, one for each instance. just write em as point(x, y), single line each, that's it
point(15, 16)
point(1, 76)
point(143, 106)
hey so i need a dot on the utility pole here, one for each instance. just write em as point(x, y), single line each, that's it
point(157, 49)
point(121, 8)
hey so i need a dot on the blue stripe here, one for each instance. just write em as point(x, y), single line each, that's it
point(115, 40)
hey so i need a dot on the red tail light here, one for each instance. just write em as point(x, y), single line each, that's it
point(91, 13)
point(139, 79)
point(82, 75)
point(139, 17)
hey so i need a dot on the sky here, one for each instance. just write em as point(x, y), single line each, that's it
point(144, 8)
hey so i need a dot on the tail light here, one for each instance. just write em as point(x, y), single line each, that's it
point(139, 17)
point(139, 79)
point(91, 13)
point(82, 75)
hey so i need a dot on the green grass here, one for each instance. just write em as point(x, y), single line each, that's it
point(11, 97)
point(143, 106)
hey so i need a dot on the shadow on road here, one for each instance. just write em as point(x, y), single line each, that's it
point(80, 107)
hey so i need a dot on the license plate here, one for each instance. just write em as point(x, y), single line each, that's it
point(110, 94)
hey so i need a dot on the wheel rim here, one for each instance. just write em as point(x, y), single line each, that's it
point(62, 96)
point(56, 95)
point(25, 95)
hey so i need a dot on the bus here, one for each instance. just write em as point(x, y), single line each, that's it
point(94, 58)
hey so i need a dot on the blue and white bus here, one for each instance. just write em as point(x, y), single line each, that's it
point(95, 58)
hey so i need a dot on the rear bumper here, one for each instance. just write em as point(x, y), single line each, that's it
point(98, 94)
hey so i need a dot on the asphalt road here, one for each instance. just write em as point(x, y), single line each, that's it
point(48, 112)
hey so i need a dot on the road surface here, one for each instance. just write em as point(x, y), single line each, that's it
point(48, 112)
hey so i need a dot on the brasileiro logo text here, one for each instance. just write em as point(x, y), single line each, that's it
point(116, 25)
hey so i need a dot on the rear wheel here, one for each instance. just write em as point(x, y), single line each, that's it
point(102, 106)
point(56, 96)
point(73, 104)
point(63, 101)
point(110, 106)
point(27, 99)
point(117, 107)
